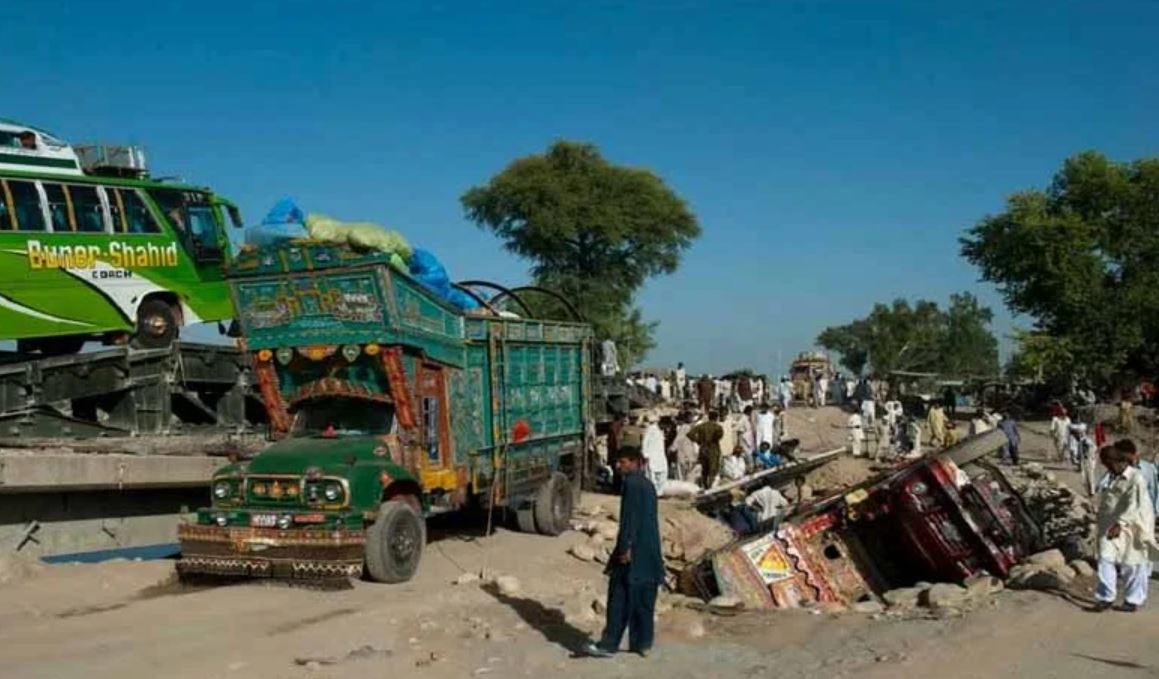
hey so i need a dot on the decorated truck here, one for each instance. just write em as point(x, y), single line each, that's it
point(389, 405)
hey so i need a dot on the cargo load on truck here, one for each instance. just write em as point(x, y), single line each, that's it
point(391, 404)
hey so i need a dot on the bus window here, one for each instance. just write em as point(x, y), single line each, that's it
point(203, 227)
point(58, 208)
point(26, 205)
point(86, 205)
point(129, 212)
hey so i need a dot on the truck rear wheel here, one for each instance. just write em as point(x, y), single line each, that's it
point(553, 505)
point(394, 543)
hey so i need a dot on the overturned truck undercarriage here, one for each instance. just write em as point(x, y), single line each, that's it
point(939, 519)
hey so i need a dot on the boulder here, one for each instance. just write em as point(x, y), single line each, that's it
point(1030, 576)
point(1051, 558)
point(870, 607)
point(1082, 569)
point(905, 597)
point(944, 595)
point(508, 585)
point(583, 552)
point(983, 585)
point(725, 601)
point(607, 530)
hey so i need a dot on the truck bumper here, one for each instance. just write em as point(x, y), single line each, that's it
point(270, 552)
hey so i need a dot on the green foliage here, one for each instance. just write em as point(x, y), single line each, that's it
point(1038, 357)
point(919, 338)
point(1082, 259)
point(593, 231)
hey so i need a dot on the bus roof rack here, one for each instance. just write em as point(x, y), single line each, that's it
point(113, 160)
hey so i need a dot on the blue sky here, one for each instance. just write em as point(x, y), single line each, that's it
point(833, 152)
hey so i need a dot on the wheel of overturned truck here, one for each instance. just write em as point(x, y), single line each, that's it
point(553, 505)
point(394, 543)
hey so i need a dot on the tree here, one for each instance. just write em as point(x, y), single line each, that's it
point(918, 338)
point(1082, 259)
point(593, 231)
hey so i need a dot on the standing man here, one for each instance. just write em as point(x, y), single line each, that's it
point(785, 391)
point(746, 436)
point(936, 419)
point(653, 450)
point(822, 390)
point(1126, 531)
point(705, 392)
point(681, 382)
point(1010, 428)
point(636, 568)
point(766, 427)
point(707, 435)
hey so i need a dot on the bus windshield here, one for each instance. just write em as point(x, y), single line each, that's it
point(339, 417)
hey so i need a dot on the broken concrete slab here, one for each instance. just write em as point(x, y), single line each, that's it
point(583, 552)
point(983, 585)
point(1082, 569)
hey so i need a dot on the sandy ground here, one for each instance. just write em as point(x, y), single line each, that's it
point(128, 619)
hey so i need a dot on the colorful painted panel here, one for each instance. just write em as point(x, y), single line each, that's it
point(302, 310)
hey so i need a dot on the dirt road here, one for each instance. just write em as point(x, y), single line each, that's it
point(127, 619)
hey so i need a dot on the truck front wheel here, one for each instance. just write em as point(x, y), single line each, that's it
point(553, 505)
point(394, 543)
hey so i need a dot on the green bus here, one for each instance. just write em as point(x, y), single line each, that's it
point(92, 249)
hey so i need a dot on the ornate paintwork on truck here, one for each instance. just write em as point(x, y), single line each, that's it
point(397, 400)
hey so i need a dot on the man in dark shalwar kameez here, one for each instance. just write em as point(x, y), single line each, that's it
point(636, 567)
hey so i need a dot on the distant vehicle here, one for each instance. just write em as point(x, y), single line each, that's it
point(397, 407)
point(91, 249)
point(801, 372)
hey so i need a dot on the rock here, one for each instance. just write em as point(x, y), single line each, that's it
point(602, 556)
point(870, 607)
point(905, 597)
point(944, 595)
point(725, 601)
point(508, 585)
point(695, 629)
point(1082, 569)
point(600, 607)
point(466, 579)
point(583, 552)
point(983, 585)
point(607, 530)
point(1030, 576)
point(1034, 470)
point(313, 665)
point(1051, 558)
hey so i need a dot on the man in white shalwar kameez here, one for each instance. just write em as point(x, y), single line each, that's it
point(1126, 532)
point(652, 446)
point(765, 427)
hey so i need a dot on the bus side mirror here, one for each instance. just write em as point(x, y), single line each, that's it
point(234, 217)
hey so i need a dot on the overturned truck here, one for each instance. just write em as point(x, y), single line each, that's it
point(391, 406)
point(939, 519)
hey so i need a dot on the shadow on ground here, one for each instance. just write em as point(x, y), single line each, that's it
point(550, 622)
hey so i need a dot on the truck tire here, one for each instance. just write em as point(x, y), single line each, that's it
point(525, 519)
point(394, 543)
point(156, 325)
point(553, 505)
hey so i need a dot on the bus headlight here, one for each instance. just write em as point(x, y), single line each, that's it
point(332, 492)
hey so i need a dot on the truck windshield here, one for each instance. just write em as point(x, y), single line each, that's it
point(337, 417)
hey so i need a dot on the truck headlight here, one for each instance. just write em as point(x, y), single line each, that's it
point(285, 521)
point(332, 492)
point(222, 490)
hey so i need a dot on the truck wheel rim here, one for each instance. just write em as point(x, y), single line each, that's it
point(402, 543)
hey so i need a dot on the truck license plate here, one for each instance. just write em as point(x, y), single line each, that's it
point(264, 520)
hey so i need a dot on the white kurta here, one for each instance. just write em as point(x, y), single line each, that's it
point(653, 449)
point(767, 503)
point(1124, 501)
point(733, 468)
point(765, 429)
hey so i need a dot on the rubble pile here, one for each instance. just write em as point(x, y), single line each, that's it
point(1065, 518)
point(685, 534)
